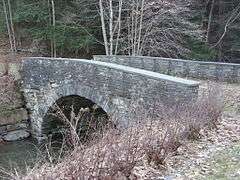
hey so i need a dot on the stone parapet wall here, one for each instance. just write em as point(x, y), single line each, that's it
point(227, 72)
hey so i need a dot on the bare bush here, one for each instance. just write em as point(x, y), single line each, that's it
point(117, 152)
point(205, 112)
point(213, 101)
point(79, 126)
point(162, 140)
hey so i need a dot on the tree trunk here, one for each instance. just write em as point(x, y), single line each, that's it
point(119, 25)
point(103, 27)
point(135, 30)
point(140, 28)
point(54, 28)
point(111, 27)
point(8, 26)
point(50, 25)
point(12, 27)
point(210, 21)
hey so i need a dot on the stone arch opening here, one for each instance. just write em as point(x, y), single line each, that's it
point(70, 111)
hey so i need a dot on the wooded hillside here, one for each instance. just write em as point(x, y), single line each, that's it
point(191, 29)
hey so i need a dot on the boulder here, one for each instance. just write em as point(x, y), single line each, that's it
point(16, 135)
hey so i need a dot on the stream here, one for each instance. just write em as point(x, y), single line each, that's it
point(18, 154)
point(21, 155)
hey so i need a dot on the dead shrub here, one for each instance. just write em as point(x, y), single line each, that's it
point(81, 126)
point(205, 113)
point(162, 140)
point(194, 116)
point(153, 138)
point(213, 102)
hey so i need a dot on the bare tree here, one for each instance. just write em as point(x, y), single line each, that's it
point(111, 13)
point(235, 14)
point(140, 28)
point(157, 28)
point(111, 26)
point(54, 50)
point(119, 25)
point(9, 24)
point(210, 20)
point(12, 26)
point(103, 27)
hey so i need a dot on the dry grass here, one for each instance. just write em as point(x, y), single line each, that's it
point(116, 153)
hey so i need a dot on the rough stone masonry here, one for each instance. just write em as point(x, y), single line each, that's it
point(227, 72)
point(113, 87)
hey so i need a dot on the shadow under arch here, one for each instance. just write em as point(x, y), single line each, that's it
point(70, 109)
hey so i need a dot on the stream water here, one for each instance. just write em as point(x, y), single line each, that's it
point(18, 154)
point(21, 155)
point(25, 154)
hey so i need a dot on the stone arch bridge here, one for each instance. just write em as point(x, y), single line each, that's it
point(111, 86)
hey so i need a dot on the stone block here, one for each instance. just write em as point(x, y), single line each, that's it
point(16, 135)
point(13, 127)
point(14, 69)
point(2, 68)
point(13, 116)
point(3, 129)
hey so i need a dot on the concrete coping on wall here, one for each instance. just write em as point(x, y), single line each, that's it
point(128, 69)
point(172, 59)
